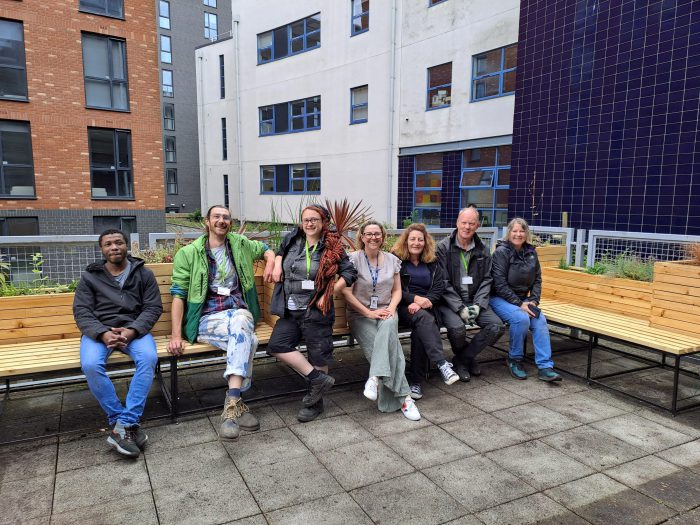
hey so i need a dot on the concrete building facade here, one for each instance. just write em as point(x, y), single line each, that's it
point(358, 99)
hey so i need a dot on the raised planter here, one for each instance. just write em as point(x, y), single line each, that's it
point(675, 300)
point(551, 255)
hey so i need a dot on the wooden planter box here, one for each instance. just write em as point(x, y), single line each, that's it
point(551, 255)
point(675, 300)
point(623, 296)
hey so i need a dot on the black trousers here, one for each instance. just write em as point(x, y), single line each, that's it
point(315, 328)
point(425, 341)
point(492, 329)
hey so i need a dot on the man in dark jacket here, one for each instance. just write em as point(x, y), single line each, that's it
point(466, 265)
point(116, 304)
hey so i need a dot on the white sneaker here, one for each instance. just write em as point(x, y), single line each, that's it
point(371, 388)
point(448, 375)
point(410, 410)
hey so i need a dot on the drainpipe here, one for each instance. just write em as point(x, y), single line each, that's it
point(239, 148)
point(392, 113)
point(203, 175)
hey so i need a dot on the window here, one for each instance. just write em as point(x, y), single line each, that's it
point(297, 37)
point(112, 8)
point(110, 163)
point(13, 226)
point(493, 73)
point(226, 201)
point(169, 117)
point(222, 78)
point(108, 222)
point(360, 17)
point(170, 154)
point(291, 178)
point(164, 14)
point(166, 52)
point(13, 70)
point(104, 63)
point(427, 183)
point(210, 31)
point(210, 3)
point(171, 181)
point(440, 86)
point(358, 104)
point(287, 117)
point(168, 83)
point(485, 183)
point(16, 165)
point(224, 148)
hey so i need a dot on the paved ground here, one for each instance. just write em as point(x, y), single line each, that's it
point(492, 451)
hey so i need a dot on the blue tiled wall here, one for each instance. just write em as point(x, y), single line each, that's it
point(451, 174)
point(405, 194)
point(606, 115)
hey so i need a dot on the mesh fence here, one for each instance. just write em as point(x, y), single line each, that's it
point(647, 249)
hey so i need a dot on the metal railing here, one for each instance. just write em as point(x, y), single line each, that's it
point(553, 236)
point(603, 244)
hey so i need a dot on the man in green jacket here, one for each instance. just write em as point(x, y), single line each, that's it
point(215, 301)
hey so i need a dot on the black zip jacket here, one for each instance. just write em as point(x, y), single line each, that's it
point(456, 295)
point(100, 304)
point(437, 284)
point(517, 275)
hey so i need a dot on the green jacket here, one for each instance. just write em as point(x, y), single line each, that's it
point(190, 281)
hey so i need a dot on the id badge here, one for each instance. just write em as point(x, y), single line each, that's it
point(222, 290)
point(373, 302)
point(307, 284)
point(467, 279)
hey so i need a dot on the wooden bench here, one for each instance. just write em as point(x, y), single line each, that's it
point(627, 329)
point(38, 335)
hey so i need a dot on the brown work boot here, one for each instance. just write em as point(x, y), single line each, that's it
point(236, 416)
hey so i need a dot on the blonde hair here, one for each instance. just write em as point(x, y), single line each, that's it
point(523, 223)
point(361, 231)
point(400, 248)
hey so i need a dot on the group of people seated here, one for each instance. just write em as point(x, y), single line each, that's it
point(417, 284)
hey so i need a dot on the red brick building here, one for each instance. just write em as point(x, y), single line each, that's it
point(80, 119)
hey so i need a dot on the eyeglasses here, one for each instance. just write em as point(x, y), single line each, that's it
point(312, 220)
point(376, 235)
point(218, 217)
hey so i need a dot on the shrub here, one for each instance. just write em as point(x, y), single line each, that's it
point(625, 266)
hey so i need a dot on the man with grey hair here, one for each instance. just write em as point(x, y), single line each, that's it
point(466, 265)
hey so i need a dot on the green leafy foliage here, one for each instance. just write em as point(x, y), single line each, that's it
point(624, 266)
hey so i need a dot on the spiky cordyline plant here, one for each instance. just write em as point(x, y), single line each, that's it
point(347, 217)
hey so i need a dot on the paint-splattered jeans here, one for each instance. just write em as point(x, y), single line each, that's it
point(234, 332)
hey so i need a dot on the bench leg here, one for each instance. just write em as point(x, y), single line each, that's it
point(174, 394)
point(6, 396)
point(590, 358)
point(676, 372)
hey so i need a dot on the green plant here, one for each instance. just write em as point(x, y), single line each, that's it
point(562, 264)
point(195, 216)
point(347, 217)
point(413, 218)
point(162, 254)
point(37, 263)
point(624, 266)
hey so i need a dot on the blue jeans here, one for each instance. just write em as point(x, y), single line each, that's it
point(93, 357)
point(519, 323)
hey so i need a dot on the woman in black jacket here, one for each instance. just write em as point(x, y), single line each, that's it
point(515, 295)
point(422, 284)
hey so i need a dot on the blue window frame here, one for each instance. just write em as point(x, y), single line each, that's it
point(291, 39)
point(291, 179)
point(290, 117)
point(439, 86)
point(359, 22)
point(427, 188)
point(359, 97)
point(493, 73)
point(485, 183)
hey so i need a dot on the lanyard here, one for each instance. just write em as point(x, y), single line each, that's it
point(465, 262)
point(308, 258)
point(373, 274)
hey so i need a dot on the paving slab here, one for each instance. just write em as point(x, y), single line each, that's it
point(350, 400)
point(26, 499)
point(541, 465)
point(601, 500)
point(31, 427)
point(290, 482)
point(36, 404)
point(537, 508)
point(338, 509)
point(428, 446)
point(445, 408)
point(641, 432)
point(536, 420)
point(216, 499)
point(89, 419)
point(478, 482)
point(265, 448)
point(412, 498)
point(491, 398)
point(29, 460)
point(381, 424)
point(466, 520)
point(98, 484)
point(78, 452)
point(193, 463)
point(258, 519)
point(287, 410)
point(615, 399)
point(686, 455)
point(593, 447)
point(485, 433)
point(536, 390)
point(184, 433)
point(582, 408)
point(330, 433)
point(686, 518)
point(677, 423)
point(115, 511)
point(364, 463)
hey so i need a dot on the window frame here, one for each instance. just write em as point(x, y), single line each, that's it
point(161, 17)
point(428, 107)
point(353, 17)
point(289, 39)
point(111, 81)
point(4, 164)
point(115, 169)
point(104, 13)
point(121, 218)
point(290, 171)
point(5, 221)
point(167, 119)
point(419, 209)
point(495, 169)
point(354, 106)
point(20, 59)
point(172, 152)
point(169, 183)
point(208, 28)
point(210, 3)
point(222, 78)
point(163, 84)
point(305, 115)
point(226, 190)
point(169, 52)
point(500, 73)
point(224, 140)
